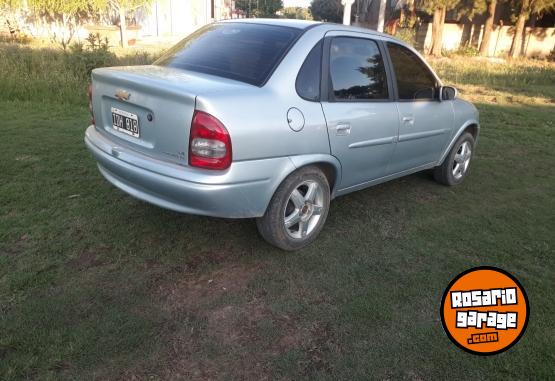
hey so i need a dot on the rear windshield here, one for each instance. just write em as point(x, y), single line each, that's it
point(241, 51)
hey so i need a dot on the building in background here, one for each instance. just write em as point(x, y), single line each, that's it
point(178, 18)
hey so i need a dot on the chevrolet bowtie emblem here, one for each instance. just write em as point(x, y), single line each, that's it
point(123, 95)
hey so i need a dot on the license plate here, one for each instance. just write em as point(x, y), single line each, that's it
point(125, 122)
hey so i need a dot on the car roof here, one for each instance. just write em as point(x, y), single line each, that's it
point(306, 24)
point(299, 24)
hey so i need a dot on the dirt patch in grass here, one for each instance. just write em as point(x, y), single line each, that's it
point(89, 258)
point(194, 291)
point(224, 330)
point(16, 248)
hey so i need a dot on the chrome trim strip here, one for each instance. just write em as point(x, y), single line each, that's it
point(421, 135)
point(373, 142)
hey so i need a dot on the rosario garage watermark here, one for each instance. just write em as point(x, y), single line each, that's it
point(485, 310)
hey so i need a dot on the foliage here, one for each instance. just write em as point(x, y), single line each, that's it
point(297, 13)
point(327, 10)
point(73, 13)
point(70, 14)
point(10, 4)
point(431, 5)
point(470, 8)
point(407, 35)
point(533, 7)
point(464, 51)
point(83, 58)
point(259, 8)
point(63, 7)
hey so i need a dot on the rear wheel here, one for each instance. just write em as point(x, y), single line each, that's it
point(297, 211)
point(456, 165)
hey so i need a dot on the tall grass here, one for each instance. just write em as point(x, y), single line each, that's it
point(53, 75)
point(47, 74)
point(532, 77)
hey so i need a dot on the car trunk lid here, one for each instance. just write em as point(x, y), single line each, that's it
point(151, 106)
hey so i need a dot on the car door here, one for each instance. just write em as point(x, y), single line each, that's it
point(358, 104)
point(425, 122)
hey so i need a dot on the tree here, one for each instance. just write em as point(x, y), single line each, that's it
point(122, 7)
point(438, 8)
point(298, 13)
point(259, 8)
point(327, 10)
point(68, 13)
point(488, 28)
point(526, 8)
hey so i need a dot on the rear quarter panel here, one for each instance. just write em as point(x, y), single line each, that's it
point(256, 117)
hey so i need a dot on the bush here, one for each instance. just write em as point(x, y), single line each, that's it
point(407, 35)
point(83, 58)
point(465, 51)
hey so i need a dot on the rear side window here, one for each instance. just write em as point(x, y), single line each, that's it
point(414, 79)
point(245, 52)
point(357, 70)
point(308, 80)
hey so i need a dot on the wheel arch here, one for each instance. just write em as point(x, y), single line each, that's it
point(327, 164)
point(471, 126)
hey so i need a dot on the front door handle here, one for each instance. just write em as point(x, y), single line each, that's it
point(408, 120)
point(343, 129)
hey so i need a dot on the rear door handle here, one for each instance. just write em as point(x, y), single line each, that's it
point(343, 129)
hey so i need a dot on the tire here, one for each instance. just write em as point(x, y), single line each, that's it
point(456, 165)
point(302, 199)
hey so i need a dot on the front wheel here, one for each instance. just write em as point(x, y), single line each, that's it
point(455, 167)
point(297, 211)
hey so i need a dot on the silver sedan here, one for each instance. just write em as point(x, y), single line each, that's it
point(271, 119)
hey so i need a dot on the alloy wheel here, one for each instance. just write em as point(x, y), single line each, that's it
point(303, 209)
point(461, 160)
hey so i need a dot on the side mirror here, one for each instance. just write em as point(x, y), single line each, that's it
point(447, 93)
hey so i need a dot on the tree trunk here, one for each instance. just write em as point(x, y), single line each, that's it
point(123, 27)
point(437, 31)
point(516, 46)
point(381, 15)
point(488, 28)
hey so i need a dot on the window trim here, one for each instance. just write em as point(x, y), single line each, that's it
point(394, 76)
point(319, 98)
point(326, 87)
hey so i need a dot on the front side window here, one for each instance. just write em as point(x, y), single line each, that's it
point(240, 51)
point(357, 70)
point(414, 79)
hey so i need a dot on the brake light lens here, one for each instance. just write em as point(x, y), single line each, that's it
point(209, 143)
point(89, 94)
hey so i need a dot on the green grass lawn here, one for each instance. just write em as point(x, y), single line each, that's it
point(95, 284)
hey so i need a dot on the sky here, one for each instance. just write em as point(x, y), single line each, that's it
point(296, 3)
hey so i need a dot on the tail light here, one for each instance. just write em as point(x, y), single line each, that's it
point(89, 94)
point(209, 143)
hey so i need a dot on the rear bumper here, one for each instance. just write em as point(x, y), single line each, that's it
point(244, 190)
